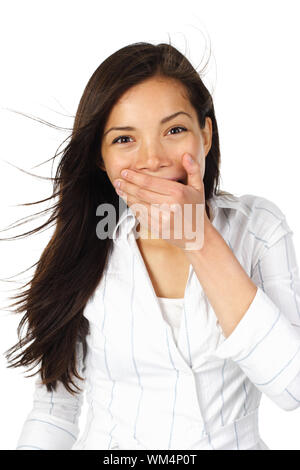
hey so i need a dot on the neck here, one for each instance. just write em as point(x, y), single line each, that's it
point(147, 237)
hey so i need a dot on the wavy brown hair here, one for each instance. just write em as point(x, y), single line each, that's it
point(71, 265)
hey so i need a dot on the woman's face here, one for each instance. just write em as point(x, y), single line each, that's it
point(151, 143)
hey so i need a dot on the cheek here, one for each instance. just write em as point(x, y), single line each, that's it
point(113, 166)
point(116, 162)
point(198, 148)
point(190, 145)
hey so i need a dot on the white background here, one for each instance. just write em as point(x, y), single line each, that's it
point(50, 49)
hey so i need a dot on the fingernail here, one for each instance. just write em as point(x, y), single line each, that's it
point(190, 160)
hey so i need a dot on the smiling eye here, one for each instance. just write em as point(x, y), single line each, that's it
point(121, 137)
point(183, 129)
point(178, 127)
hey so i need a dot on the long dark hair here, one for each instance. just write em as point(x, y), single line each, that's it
point(71, 265)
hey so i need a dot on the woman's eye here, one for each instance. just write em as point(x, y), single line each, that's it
point(121, 137)
point(128, 137)
point(178, 127)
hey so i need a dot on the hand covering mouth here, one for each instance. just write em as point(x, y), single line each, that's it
point(179, 180)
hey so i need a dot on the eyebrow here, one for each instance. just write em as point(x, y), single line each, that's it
point(163, 121)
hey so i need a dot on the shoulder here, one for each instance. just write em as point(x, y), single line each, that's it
point(253, 211)
point(261, 205)
point(255, 223)
point(257, 219)
point(265, 217)
point(264, 225)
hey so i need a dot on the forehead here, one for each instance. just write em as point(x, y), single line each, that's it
point(153, 93)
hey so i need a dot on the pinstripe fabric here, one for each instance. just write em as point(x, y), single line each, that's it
point(146, 392)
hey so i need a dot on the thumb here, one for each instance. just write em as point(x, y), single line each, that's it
point(194, 173)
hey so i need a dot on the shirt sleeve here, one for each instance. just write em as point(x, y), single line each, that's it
point(289, 399)
point(52, 423)
point(266, 341)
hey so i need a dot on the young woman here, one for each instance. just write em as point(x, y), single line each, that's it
point(174, 339)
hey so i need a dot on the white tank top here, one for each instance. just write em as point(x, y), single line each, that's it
point(172, 313)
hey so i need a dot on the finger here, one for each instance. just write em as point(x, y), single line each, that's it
point(193, 169)
point(142, 194)
point(153, 183)
point(136, 204)
point(156, 214)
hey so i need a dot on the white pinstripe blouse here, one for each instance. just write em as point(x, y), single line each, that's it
point(144, 391)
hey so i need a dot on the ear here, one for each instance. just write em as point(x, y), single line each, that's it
point(207, 135)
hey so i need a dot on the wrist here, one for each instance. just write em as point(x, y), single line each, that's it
point(210, 233)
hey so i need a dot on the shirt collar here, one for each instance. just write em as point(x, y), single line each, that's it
point(227, 201)
point(128, 220)
point(124, 225)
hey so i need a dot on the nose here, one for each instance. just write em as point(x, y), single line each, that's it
point(151, 158)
